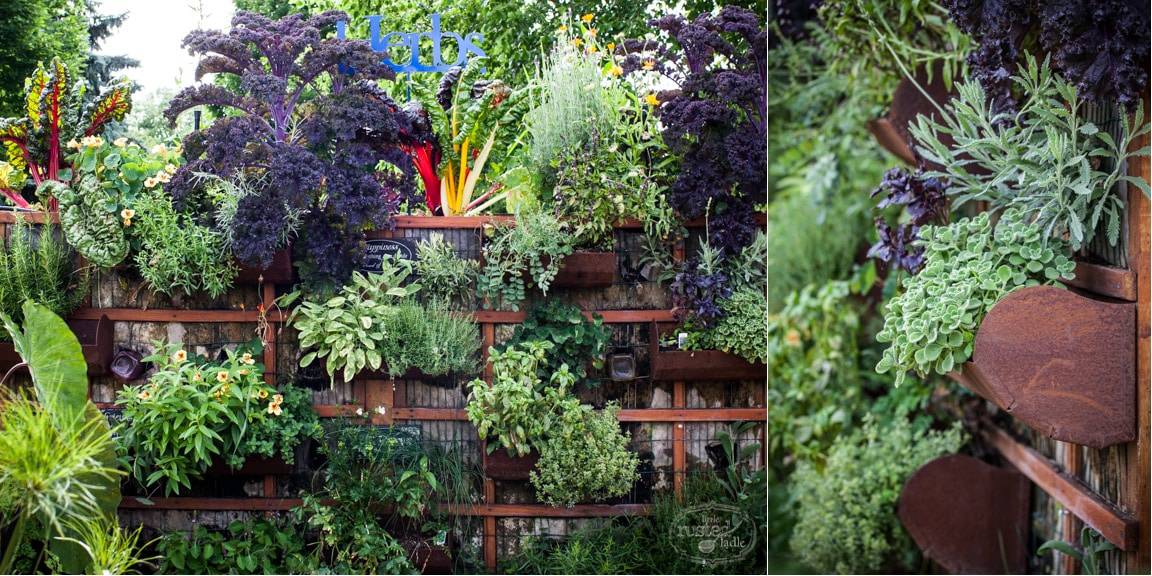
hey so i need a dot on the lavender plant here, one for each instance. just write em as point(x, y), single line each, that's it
point(716, 120)
point(309, 127)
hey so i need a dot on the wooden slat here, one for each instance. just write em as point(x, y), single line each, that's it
point(1138, 496)
point(489, 543)
point(1114, 525)
point(221, 316)
point(480, 510)
point(1073, 462)
point(1105, 281)
point(679, 459)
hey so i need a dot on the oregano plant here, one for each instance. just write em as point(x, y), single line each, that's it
point(969, 265)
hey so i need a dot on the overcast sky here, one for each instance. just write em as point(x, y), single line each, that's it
point(152, 34)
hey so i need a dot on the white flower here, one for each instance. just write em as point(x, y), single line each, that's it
point(381, 410)
point(359, 411)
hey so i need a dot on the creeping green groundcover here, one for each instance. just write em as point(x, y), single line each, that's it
point(348, 287)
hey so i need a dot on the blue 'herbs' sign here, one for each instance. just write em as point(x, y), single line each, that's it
point(391, 43)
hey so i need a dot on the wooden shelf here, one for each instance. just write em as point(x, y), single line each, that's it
point(1105, 280)
point(481, 510)
point(1115, 526)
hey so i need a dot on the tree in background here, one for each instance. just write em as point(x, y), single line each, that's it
point(36, 31)
point(100, 68)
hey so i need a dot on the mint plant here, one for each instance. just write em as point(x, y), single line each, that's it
point(969, 266)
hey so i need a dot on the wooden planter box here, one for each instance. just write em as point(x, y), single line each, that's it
point(442, 380)
point(1062, 363)
point(968, 516)
point(253, 466)
point(499, 465)
point(428, 558)
point(697, 365)
point(891, 131)
point(586, 270)
point(95, 338)
point(279, 272)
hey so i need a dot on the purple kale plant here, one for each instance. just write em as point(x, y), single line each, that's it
point(715, 119)
point(308, 123)
point(924, 201)
point(1100, 46)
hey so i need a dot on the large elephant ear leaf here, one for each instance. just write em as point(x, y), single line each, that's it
point(60, 377)
point(54, 358)
point(113, 104)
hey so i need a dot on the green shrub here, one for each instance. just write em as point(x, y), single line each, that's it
point(576, 340)
point(37, 265)
point(175, 254)
point(434, 341)
point(518, 410)
point(968, 267)
point(741, 331)
point(255, 545)
point(534, 246)
point(449, 281)
point(589, 462)
point(847, 510)
point(193, 411)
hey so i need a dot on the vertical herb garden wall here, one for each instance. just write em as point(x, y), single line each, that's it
point(958, 300)
point(321, 313)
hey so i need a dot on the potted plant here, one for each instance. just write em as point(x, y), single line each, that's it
point(519, 409)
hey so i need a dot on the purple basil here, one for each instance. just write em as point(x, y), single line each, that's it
point(924, 202)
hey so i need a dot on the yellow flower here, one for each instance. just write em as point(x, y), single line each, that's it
point(120, 142)
point(170, 168)
point(92, 141)
point(163, 176)
point(180, 355)
point(562, 28)
point(73, 143)
point(243, 371)
point(616, 71)
point(587, 17)
point(649, 64)
point(577, 42)
point(129, 214)
point(274, 409)
point(196, 377)
point(143, 395)
point(127, 222)
point(652, 100)
point(222, 376)
point(224, 389)
point(149, 182)
point(792, 338)
point(277, 399)
point(611, 46)
point(591, 49)
point(159, 149)
point(262, 394)
point(592, 32)
point(247, 358)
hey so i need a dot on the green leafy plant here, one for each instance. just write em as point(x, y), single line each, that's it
point(95, 232)
point(741, 330)
point(533, 247)
point(518, 410)
point(343, 329)
point(192, 411)
point(1045, 159)
point(588, 462)
point(436, 342)
point(1092, 547)
point(969, 266)
point(37, 265)
point(111, 548)
point(576, 341)
point(448, 279)
point(847, 522)
point(280, 435)
point(175, 254)
point(255, 545)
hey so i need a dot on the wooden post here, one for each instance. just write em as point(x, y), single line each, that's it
point(267, 298)
point(490, 527)
point(1071, 457)
point(1139, 241)
point(678, 456)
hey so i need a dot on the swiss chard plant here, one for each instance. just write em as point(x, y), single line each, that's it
point(306, 128)
point(1045, 159)
point(969, 265)
point(55, 113)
